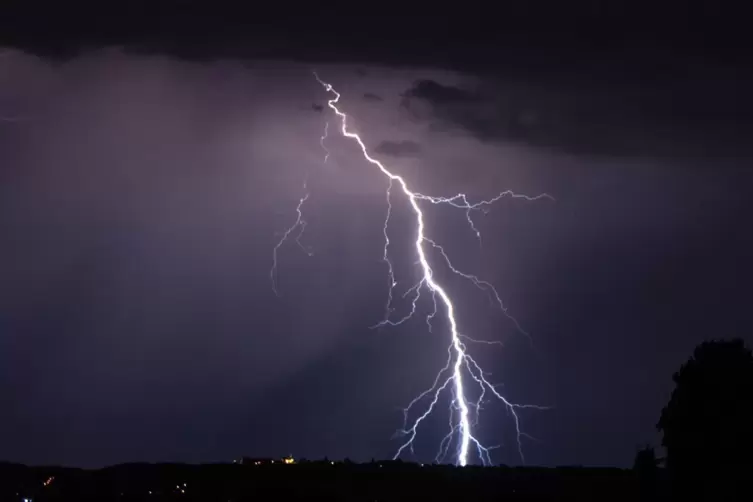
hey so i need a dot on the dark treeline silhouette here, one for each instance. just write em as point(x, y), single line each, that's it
point(707, 428)
point(321, 480)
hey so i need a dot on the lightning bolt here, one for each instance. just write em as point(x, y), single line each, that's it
point(460, 365)
point(321, 142)
point(300, 222)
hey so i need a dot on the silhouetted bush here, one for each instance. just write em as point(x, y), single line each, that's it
point(708, 424)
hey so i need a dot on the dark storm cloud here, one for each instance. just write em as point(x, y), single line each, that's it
point(404, 148)
point(370, 96)
point(652, 118)
point(440, 95)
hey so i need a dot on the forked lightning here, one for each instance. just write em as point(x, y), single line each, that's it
point(460, 367)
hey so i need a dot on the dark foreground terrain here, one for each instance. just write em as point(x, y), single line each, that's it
point(267, 480)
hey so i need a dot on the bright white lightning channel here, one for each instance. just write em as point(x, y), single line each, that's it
point(459, 362)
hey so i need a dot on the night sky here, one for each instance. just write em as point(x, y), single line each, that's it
point(151, 158)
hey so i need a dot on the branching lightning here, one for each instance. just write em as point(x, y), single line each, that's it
point(300, 222)
point(321, 142)
point(300, 225)
point(460, 366)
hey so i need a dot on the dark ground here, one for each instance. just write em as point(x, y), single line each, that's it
point(314, 481)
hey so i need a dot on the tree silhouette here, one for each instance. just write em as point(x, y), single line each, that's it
point(646, 468)
point(645, 460)
point(707, 425)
